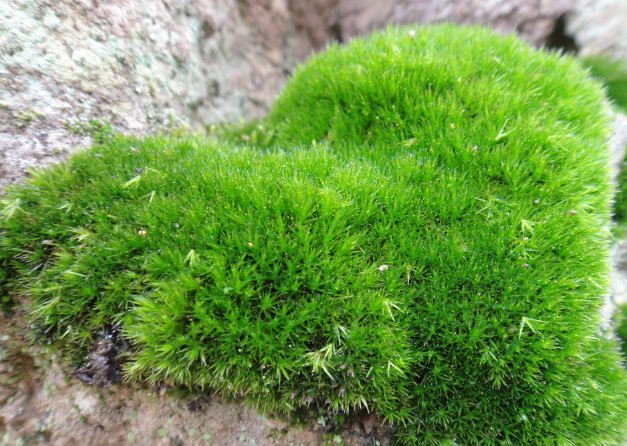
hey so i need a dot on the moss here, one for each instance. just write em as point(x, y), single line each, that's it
point(234, 254)
point(100, 131)
point(24, 118)
point(420, 228)
point(7, 301)
point(254, 133)
point(484, 110)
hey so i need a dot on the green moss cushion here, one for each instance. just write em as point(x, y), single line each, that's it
point(427, 237)
point(508, 148)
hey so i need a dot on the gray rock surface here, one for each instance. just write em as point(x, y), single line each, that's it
point(618, 290)
point(142, 65)
point(618, 142)
point(325, 20)
point(599, 27)
point(594, 26)
point(533, 20)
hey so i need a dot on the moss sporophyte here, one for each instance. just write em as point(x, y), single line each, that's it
point(439, 256)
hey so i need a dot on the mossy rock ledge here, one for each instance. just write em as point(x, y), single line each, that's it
point(421, 229)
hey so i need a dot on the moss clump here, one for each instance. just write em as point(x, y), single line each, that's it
point(515, 143)
point(439, 255)
point(245, 272)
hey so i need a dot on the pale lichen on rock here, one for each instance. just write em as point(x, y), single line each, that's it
point(144, 66)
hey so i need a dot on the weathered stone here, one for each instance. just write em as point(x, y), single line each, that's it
point(144, 66)
point(618, 142)
point(40, 398)
point(590, 26)
point(599, 27)
point(325, 20)
point(618, 290)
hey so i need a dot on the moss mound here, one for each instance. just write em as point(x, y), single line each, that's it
point(228, 269)
point(518, 141)
point(439, 255)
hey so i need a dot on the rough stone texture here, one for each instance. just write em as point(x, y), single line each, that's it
point(143, 65)
point(318, 19)
point(618, 291)
point(596, 26)
point(599, 27)
point(533, 20)
point(618, 142)
point(325, 20)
